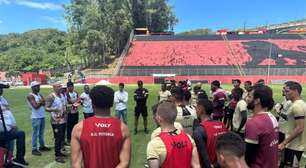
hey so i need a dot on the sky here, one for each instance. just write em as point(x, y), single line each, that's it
point(24, 15)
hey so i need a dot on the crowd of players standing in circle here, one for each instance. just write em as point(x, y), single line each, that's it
point(240, 128)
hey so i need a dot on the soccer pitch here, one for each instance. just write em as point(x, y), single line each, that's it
point(17, 100)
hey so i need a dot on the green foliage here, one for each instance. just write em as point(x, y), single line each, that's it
point(98, 29)
point(156, 15)
point(196, 32)
point(17, 100)
point(32, 51)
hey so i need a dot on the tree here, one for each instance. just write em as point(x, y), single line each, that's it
point(98, 29)
point(197, 32)
point(139, 13)
point(32, 51)
point(156, 15)
point(122, 23)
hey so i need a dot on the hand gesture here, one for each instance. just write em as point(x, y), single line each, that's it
point(281, 146)
point(42, 102)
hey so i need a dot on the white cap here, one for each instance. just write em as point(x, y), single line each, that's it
point(57, 83)
point(34, 83)
point(2, 83)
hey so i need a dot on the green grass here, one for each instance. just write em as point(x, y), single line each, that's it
point(17, 101)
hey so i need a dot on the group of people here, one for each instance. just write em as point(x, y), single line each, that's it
point(250, 114)
point(241, 128)
point(62, 103)
point(227, 129)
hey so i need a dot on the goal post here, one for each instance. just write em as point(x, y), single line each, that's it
point(161, 78)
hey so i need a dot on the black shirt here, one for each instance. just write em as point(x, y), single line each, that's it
point(141, 96)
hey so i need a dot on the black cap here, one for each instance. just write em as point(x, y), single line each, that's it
point(69, 84)
point(140, 82)
point(4, 86)
point(237, 80)
point(216, 83)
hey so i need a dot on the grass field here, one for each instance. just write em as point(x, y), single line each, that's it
point(17, 101)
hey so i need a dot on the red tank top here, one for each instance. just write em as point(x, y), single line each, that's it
point(101, 142)
point(179, 150)
point(213, 129)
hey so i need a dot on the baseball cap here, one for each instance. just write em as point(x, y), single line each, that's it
point(57, 83)
point(34, 83)
point(69, 84)
point(140, 82)
point(4, 85)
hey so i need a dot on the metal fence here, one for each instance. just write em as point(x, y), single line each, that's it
point(143, 71)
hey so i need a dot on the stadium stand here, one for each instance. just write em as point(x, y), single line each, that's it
point(284, 54)
point(181, 53)
point(278, 53)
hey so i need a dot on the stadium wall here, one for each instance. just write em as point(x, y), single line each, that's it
point(218, 37)
point(223, 79)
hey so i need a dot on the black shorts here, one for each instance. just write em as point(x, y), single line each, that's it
point(143, 110)
point(292, 157)
point(281, 137)
point(240, 134)
point(229, 113)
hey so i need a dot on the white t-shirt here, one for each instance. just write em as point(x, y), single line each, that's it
point(123, 96)
point(295, 111)
point(164, 95)
point(87, 104)
point(73, 97)
point(186, 120)
point(9, 118)
point(241, 106)
point(37, 113)
point(283, 124)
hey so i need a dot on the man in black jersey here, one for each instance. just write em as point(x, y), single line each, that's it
point(140, 96)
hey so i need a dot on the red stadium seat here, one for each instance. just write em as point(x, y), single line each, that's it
point(268, 62)
point(210, 52)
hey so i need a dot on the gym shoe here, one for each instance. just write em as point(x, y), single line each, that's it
point(21, 163)
point(63, 155)
point(63, 150)
point(59, 159)
point(44, 148)
point(36, 153)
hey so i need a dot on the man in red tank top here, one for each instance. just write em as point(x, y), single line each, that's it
point(101, 140)
point(172, 148)
point(206, 133)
